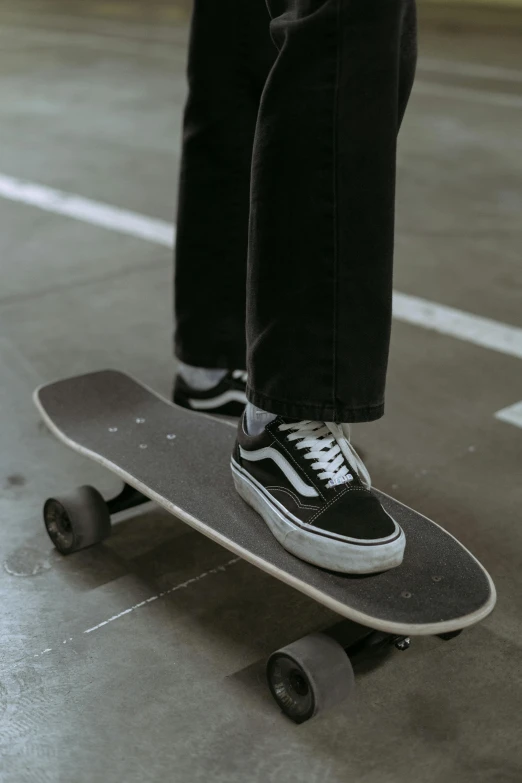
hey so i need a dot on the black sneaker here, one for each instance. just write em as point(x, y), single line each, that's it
point(227, 398)
point(313, 491)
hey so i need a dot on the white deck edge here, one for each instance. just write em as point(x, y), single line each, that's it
point(426, 629)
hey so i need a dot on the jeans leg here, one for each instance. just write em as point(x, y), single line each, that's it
point(230, 56)
point(407, 55)
point(322, 207)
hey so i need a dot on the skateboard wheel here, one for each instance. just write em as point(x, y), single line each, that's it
point(77, 519)
point(309, 676)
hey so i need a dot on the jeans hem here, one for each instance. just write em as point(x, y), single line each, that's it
point(316, 411)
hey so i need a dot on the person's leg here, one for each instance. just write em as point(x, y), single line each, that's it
point(230, 56)
point(320, 276)
point(322, 207)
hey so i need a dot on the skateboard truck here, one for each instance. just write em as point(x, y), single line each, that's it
point(127, 498)
point(402, 643)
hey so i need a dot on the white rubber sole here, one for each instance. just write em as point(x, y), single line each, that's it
point(335, 554)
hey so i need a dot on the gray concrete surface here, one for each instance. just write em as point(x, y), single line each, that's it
point(91, 96)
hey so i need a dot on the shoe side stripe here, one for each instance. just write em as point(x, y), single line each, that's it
point(293, 495)
point(282, 463)
point(274, 503)
point(231, 395)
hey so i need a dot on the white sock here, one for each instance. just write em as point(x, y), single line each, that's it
point(200, 378)
point(256, 419)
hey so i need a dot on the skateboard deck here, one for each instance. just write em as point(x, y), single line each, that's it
point(181, 460)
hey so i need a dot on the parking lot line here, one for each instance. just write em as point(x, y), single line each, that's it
point(94, 212)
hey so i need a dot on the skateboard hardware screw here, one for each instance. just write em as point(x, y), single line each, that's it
point(437, 578)
point(140, 421)
point(403, 644)
point(143, 445)
point(113, 429)
point(405, 594)
point(170, 437)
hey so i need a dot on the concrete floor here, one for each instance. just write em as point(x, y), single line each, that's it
point(92, 95)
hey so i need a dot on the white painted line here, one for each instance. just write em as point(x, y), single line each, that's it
point(475, 70)
point(122, 614)
point(511, 415)
point(93, 212)
point(456, 323)
point(507, 100)
point(181, 586)
point(174, 589)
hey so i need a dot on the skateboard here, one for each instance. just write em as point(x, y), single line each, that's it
point(181, 460)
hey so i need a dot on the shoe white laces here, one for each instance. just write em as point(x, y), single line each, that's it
point(329, 450)
point(240, 375)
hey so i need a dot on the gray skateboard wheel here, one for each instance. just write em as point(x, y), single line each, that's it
point(310, 676)
point(77, 519)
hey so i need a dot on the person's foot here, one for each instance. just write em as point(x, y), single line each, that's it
point(313, 491)
point(227, 397)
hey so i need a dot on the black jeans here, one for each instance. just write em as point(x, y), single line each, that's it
point(286, 202)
